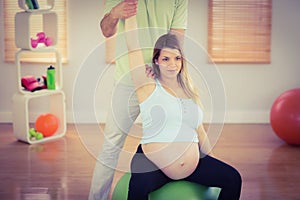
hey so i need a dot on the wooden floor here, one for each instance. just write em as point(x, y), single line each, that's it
point(62, 169)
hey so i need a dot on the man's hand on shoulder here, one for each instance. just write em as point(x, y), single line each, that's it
point(150, 72)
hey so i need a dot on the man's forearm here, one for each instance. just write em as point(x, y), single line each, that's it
point(123, 10)
point(108, 25)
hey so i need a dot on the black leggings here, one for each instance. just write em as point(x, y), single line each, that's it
point(146, 177)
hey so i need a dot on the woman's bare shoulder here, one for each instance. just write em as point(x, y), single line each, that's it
point(145, 90)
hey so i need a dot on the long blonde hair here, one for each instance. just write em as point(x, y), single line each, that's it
point(171, 41)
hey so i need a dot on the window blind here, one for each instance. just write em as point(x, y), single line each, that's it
point(239, 31)
point(10, 9)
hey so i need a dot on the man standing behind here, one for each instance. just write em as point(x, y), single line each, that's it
point(154, 18)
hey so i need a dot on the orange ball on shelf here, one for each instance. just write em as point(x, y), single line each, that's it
point(47, 124)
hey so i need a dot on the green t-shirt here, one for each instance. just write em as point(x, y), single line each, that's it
point(154, 18)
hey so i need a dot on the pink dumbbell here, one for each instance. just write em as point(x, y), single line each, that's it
point(41, 38)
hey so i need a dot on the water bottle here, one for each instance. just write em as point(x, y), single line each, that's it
point(51, 78)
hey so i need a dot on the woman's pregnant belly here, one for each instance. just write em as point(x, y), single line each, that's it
point(177, 159)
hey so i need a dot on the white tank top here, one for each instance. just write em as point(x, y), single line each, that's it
point(166, 118)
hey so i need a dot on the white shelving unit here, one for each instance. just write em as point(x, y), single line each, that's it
point(22, 100)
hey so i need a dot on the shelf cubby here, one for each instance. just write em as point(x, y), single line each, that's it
point(25, 29)
point(56, 63)
point(55, 101)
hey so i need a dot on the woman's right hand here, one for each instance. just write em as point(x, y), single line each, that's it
point(124, 10)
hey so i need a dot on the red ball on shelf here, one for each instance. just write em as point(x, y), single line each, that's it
point(47, 124)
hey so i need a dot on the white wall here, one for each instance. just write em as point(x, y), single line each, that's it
point(250, 89)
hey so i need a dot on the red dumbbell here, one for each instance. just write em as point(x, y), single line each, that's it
point(41, 38)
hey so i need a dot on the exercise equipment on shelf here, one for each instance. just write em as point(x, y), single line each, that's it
point(47, 124)
point(41, 39)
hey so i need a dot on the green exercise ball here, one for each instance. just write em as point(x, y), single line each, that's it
point(181, 190)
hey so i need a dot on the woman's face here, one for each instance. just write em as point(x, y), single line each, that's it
point(170, 63)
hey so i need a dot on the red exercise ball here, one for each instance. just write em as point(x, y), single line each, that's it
point(285, 116)
point(47, 124)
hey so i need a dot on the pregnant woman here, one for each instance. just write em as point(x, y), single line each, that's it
point(174, 144)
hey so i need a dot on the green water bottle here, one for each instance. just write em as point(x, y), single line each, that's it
point(51, 78)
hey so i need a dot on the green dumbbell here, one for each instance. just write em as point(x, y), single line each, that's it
point(35, 135)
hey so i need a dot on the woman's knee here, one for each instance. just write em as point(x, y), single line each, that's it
point(145, 183)
point(235, 178)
